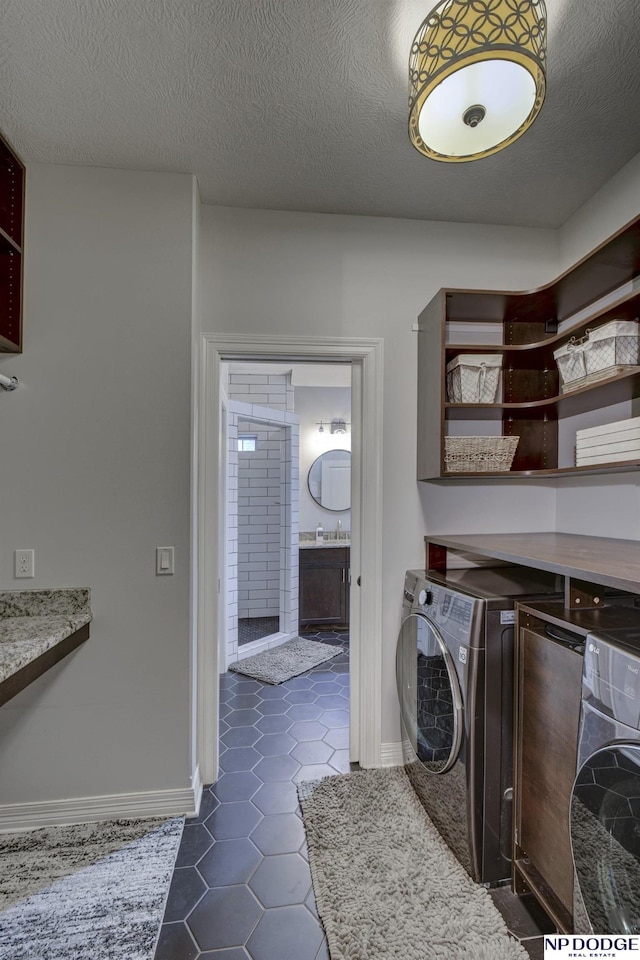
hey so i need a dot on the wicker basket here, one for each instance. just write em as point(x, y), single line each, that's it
point(602, 353)
point(479, 454)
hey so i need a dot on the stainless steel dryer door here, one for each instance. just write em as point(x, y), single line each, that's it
point(429, 693)
point(605, 838)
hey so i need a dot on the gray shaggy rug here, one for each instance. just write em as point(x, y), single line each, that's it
point(290, 659)
point(386, 884)
point(90, 892)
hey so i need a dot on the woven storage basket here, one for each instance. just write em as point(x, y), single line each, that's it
point(474, 378)
point(601, 353)
point(479, 454)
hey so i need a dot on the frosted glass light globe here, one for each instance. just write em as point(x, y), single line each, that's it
point(505, 90)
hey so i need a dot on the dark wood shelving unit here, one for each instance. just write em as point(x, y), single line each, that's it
point(12, 180)
point(531, 403)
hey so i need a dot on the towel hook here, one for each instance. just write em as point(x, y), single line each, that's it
point(8, 383)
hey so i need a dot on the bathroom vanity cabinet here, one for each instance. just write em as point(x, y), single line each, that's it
point(324, 585)
point(11, 231)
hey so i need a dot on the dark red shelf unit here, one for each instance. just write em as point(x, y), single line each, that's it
point(12, 186)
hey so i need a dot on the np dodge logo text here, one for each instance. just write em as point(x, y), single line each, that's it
point(585, 946)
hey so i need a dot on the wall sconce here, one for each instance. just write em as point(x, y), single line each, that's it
point(338, 425)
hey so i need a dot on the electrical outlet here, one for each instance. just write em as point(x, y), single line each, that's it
point(24, 563)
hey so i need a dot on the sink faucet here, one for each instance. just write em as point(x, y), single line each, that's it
point(338, 529)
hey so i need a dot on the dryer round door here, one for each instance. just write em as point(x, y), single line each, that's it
point(605, 837)
point(429, 693)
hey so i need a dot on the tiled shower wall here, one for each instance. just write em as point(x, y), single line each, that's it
point(259, 495)
point(259, 499)
point(262, 516)
point(269, 390)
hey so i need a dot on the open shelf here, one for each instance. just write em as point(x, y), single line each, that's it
point(531, 404)
point(11, 265)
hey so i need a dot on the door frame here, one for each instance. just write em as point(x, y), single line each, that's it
point(366, 359)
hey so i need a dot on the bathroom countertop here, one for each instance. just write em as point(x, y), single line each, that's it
point(315, 544)
point(37, 629)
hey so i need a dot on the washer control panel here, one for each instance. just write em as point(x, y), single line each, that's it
point(450, 611)
point(611, 680)
point(455, 614)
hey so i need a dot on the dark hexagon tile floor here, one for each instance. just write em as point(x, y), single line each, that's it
point(242, 889)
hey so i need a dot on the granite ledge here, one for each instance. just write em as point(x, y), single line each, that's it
point(33, 622)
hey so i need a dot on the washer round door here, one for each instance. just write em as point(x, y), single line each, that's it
point(429, 693)
point(605, 838)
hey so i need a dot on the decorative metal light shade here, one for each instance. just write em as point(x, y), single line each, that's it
point(476, 77)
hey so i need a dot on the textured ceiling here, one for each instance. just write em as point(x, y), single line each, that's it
point(294, 105)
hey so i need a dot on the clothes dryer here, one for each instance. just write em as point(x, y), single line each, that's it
point(454, 669)
point(605, 803)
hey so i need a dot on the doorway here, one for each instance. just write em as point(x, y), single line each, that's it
point(287, 477)
point(365, 357)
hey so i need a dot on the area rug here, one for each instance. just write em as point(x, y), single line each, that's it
point(386, 884)
point(90, 892)
point(290, 659)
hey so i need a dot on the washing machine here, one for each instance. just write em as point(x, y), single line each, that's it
point(605, 802)
point(454, 668)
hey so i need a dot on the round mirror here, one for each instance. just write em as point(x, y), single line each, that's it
point(329, 480)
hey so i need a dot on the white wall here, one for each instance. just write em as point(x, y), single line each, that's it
point(313, 404)
point(347, 276)
point(607, 506)
point(95, 474)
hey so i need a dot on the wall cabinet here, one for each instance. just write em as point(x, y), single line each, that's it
point(324, 585)
point(11, 233)
point(525, 328)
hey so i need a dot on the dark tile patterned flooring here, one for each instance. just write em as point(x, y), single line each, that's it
point(241, 889)
point(255, 628)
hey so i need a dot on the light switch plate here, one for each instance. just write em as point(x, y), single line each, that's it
point(165, 561)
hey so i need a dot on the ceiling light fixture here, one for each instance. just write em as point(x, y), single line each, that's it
point(476, 77)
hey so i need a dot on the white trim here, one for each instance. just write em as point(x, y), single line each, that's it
point(196, 789)
point(391, 754)
point(263, 643)
point(366, 551)
point(117, 806)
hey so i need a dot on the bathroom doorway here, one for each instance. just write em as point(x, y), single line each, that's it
point(365, 357)
point(288, 488)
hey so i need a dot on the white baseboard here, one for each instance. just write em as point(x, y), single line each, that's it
point(196, 789)
point(266, 643)
point(120, 806)
point(391, 754)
